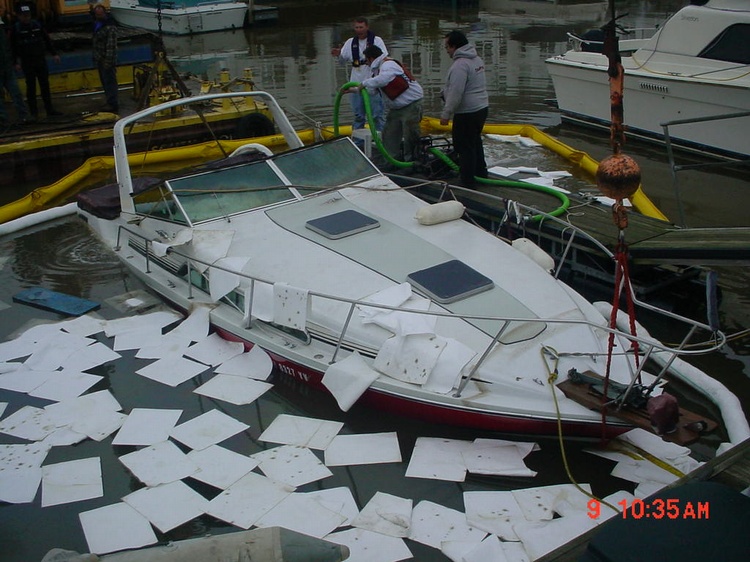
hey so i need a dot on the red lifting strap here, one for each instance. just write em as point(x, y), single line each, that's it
point(622, 281)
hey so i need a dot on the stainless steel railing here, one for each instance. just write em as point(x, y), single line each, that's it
point(675, 168)
point(687, 346)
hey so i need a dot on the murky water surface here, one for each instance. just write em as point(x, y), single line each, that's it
point(292, 61)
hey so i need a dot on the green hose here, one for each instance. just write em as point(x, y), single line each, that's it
point(565, 202)
point(516, 184)
point(370, 121)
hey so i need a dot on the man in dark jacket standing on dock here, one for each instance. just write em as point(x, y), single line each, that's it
point(30, 43)
point(104, 44)
point(8, 82)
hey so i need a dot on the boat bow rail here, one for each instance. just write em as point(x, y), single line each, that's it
point(242, 301)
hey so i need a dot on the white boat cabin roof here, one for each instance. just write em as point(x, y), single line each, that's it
point(719, 30)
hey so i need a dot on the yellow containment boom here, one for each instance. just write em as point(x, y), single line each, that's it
point(640, 200)
point(99, 168)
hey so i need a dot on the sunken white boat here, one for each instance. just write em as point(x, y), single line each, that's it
point(353, 284)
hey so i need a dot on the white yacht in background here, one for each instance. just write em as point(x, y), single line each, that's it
point(696, 66)
point(181, 17)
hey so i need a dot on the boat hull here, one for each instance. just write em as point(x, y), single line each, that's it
point(185, 21)
point(433, 412)
point(582, 93)
point(296, 280)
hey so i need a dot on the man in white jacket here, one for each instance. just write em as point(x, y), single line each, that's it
point(353, 52)
point(404, 111)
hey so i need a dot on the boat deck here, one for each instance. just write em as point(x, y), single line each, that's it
point(684, 434)
point(680, 253)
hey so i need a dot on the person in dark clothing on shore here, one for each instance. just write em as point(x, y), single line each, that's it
point(30, 43)
point(8, 82)
point(104, 45)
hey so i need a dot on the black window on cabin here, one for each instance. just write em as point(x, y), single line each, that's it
point(732, 45)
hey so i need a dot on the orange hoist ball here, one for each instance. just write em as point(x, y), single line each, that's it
point(618, 176)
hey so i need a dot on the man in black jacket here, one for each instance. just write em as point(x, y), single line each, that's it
point(30, 42)
point(104, 45)
point(8, 82)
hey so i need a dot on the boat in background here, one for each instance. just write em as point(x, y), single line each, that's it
point(540, 12)
point(354, 285)
point(688, 84)
point(181, 17)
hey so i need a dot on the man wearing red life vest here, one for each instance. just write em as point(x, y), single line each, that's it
point(404, 110)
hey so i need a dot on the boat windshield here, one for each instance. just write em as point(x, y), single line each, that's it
point(732, 45)
point(220, 193)
point(230, 190)
point(328, 164)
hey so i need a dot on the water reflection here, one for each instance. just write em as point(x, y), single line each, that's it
point(62, 258)
point(292, 61)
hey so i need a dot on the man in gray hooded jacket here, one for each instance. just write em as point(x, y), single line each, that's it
point(465, 99)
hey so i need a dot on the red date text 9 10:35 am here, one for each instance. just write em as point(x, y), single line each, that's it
point(658, 508)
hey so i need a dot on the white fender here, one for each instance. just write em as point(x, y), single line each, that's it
point(530, 249)
point(440, 212)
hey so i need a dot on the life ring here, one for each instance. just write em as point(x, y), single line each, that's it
point(254, 125)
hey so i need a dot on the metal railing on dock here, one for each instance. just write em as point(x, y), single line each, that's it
point(675, 168)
